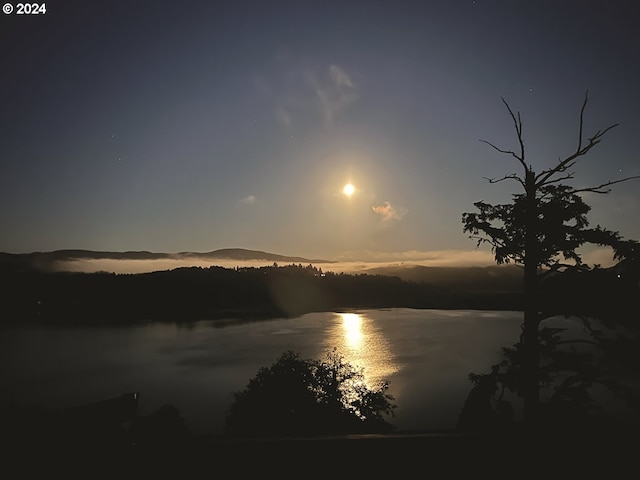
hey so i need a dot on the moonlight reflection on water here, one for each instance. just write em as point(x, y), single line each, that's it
point(425, 355)
point(355, 336)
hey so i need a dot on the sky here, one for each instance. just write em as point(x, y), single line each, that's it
point(201, 125)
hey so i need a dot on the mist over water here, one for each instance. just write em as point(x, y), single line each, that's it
point(345, 263)
point(123, 266)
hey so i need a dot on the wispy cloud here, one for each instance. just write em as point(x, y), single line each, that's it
point(334, 93)
point(388, 212)
point(433, 258)
point(248, 200)
point(340, 77)
point(283, 116)
point(308, 90)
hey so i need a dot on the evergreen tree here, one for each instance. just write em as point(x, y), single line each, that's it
point(542, 229)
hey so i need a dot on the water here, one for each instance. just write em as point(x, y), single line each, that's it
point(425, 355)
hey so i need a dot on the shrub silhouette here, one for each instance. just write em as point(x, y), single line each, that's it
point(309, 397)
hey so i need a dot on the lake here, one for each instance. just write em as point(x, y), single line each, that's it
point(425, 355)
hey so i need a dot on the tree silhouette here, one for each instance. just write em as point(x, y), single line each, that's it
point(308, 397)
point(542, 229)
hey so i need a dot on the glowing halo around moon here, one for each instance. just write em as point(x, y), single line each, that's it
point(348, 189)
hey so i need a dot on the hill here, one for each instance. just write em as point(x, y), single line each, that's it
point(469, 279)
point(55, 260)
point(495, 278)
point(244, 254)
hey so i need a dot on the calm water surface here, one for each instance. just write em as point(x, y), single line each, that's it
point(425, 355)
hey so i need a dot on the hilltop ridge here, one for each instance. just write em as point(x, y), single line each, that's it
point(53, 260)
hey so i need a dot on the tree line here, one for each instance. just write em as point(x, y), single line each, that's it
point(194, 293)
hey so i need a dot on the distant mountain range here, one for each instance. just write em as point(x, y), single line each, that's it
point(489, 278)
point(81, 284)
point(45, 260)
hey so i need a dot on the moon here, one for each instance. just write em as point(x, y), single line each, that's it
point(348, 189)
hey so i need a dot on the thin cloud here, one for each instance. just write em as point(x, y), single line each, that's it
point(340, 77)
point(306, 90)
point(362, 259)
point(248, 200)
point(336, 93)
point(283, 116)
point(388, 212)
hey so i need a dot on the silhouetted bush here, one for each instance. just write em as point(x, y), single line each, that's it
point(571, 372)
point(309, 397)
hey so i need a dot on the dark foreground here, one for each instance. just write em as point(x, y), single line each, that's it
point(608, 454)
point(109, 440)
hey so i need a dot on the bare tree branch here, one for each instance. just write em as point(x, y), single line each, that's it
point(584, 105)
point(512, 176)
point(517, 123)
point(509, 152)
point(568, 176)
point(544, 177)
point(562, 166)
point(558, 169)
point(598, 188)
